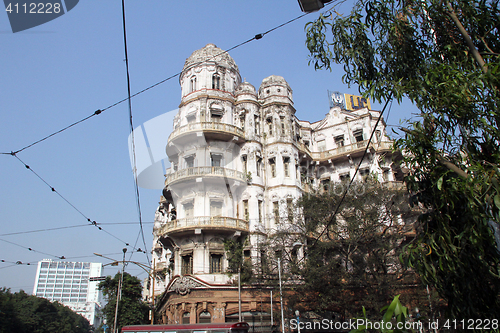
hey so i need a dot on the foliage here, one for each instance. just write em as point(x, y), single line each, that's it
point(395, 316)
point(131, 309)
point(445, 57)
point(351, 255)
point(236, 262)
point(20, 312)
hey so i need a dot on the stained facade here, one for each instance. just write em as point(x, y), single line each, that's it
point(240, 158)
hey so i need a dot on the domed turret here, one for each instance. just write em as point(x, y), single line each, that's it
point(210, 53)
point(246, 88)
point(209, 68)
point(275, 86)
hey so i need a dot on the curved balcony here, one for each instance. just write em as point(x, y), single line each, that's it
point(207, 171)
point(211, 130)
point(204, 222)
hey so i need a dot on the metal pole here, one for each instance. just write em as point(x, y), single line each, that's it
point(119, 293)
point(239, 294)
point(272, 309)
point(153, 296)
point(281, 298)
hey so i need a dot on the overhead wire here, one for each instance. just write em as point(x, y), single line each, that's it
point(32, 250)
point(100, 111)
point(134, 170)
point(94, 223)
point(332, 218)
point(70, 227)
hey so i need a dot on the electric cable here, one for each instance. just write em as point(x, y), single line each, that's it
point(355, 173)
point(69, 227)
point(136, 185)
point(99, 111)
point(44, 230)
point(32, 250)
point(94, 223)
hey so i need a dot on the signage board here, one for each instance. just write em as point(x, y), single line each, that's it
point(347, 101)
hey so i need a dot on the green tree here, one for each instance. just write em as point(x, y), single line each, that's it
point(131, 309)
point(352, 256)
point(236, 262)
point(445, 57)
point(20, 313)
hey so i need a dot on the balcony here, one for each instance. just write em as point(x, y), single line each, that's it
point(204, 222)
point(344, 150)
point(340, 151)
point(211, 130)
point(384, 145)
point(207, 171)
point(303, 149)
point(394, 185)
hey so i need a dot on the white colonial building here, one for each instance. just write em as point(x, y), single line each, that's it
point(240, 158)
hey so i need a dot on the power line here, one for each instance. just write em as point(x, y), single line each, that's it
point(31, 249)
point(70, 227)
point(355, 172)
point(44, 230)
point(94, 223)
point(99, 111)
point(136, 186)
point(57, 132)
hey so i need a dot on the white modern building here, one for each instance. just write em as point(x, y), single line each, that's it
point(240, 158)
point(69, 283)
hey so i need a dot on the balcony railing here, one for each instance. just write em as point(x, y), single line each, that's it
point(208, 126)
point(332, 153)
point(384, 145)
point(215, 222)
point(204, 171)
point(303, 148)
point(324, 155)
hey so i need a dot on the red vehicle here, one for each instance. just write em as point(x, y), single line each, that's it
point(189, 328)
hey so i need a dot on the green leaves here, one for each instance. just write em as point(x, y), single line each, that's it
point(23, 313)
point(132, 310)
point(415, 49)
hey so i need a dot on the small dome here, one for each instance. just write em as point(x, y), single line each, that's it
point(246, 87)
point(274, 80)
point(210, 53)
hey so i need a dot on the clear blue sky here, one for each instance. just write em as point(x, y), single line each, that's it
point(60, 72)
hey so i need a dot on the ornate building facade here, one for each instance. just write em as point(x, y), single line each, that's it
point(240, 159)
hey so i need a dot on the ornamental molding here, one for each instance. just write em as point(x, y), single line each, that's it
point(183, 285)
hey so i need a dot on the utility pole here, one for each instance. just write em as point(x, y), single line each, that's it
point(153, 296)
point(239, 294)
point(281, 298)
point(119, 293)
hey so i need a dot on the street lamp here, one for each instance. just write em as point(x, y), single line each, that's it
point(119, 295)
point(308, 6)
point(144, 267)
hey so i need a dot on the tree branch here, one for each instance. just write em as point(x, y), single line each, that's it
point(468, 40)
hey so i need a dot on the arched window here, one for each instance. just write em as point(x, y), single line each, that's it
point(185, 318)
point(216, 81)
point(192, 86)
point(205, 318)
